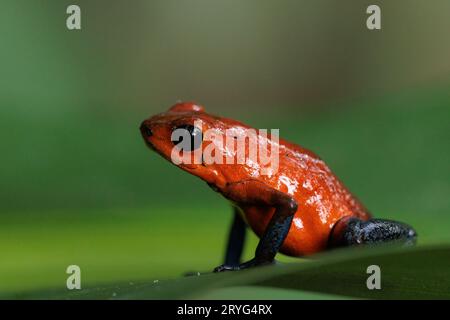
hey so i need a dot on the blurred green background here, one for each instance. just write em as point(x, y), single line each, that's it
point(78, 186)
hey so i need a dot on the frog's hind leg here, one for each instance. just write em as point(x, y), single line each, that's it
point(354, 231)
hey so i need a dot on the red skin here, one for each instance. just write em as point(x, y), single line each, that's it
point(322, 199)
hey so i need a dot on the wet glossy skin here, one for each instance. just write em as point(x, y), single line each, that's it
point(322, 199)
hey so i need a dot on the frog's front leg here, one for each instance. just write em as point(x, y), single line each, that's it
point(252, 192)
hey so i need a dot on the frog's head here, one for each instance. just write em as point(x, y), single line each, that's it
point(183, 126)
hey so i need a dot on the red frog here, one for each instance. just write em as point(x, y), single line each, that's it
point(299, 209)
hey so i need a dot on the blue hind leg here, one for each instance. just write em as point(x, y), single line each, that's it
point(353, 231)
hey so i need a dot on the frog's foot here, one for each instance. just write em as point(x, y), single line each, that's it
point(246, 265)
point(353, 231)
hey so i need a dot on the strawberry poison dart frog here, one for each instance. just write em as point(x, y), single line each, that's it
point(298, 208)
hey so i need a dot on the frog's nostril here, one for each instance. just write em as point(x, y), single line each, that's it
point(146, 130)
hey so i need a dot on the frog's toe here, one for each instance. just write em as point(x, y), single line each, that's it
point(246, 265)
point(226, 267)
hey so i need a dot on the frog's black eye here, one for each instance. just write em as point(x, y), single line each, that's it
point(187, 136)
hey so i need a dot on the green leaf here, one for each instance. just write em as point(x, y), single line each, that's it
point(406, 273)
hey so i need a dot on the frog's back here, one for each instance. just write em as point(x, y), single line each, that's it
point(322, 200)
